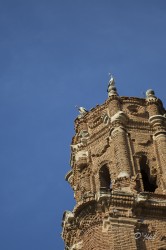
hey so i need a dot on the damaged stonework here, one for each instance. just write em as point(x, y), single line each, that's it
point(118, 175)
point(76, 246)
point(81, 154)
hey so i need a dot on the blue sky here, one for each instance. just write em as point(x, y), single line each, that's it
point(54, 55)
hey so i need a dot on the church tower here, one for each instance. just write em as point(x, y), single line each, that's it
point(118, 175)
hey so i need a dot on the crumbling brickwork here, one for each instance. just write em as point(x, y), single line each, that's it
point(118, 175)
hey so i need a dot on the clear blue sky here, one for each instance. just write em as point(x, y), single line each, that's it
point(54, 55)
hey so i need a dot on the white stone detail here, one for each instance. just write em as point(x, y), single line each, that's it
point(106, 119)
point(123, 174)
point(81, 154)
point(157, 119)
point(119, 116)
point(76, 146)
point(150, 95)
point(68, 216)
point(141, 198)
point(76, 246)
point(69, 177)
point(84, 136)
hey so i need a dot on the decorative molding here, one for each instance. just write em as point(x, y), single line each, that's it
point(81, 154)
point(77, 246)
point(157, 119)
point(69, 177)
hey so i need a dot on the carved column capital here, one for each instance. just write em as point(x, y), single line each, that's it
point(120, 116)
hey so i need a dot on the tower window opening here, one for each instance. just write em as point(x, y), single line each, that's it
point(105, 180)
point(149, 182)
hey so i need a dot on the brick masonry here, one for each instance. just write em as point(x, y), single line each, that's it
point(118, 175)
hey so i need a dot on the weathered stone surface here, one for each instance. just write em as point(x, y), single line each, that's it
point(118, 175)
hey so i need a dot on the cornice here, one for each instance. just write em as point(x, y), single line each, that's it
point(121, 199)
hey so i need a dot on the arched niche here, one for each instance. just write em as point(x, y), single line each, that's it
point(105, 178)
point(149, 182)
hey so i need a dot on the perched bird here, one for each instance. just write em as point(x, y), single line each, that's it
point(111, 81)
point(111, 87)
point(82, 110)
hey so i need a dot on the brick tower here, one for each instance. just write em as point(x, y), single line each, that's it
point(118, 175)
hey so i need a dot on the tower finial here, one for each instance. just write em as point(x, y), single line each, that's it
point(111, 86)
point(150, 94)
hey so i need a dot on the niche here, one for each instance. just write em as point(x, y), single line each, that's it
point(105, 180)
point(149, 182)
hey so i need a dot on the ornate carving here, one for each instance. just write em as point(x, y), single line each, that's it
point(120, 116)
point(105, 118)
point(69, 177)
point(118, 133)
point(137, 110)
